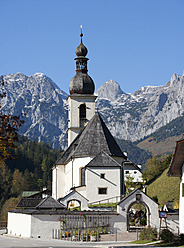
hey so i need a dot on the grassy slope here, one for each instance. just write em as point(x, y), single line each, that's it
point(163, 147)
point(165, 188)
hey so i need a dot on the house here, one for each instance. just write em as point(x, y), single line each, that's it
point(132, 171)
point(92, 165)
point(176, 169)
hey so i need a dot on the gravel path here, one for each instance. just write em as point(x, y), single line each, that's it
point(126, 236)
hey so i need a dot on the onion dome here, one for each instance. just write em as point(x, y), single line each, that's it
point(81, 50)
point(81, 83)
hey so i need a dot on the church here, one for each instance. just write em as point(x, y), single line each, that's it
point(93, 165)
point(93, 169)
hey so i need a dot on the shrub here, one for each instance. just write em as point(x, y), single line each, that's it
point(143, 222)
point(181, 239)
point(166, 236)
point(149, 233)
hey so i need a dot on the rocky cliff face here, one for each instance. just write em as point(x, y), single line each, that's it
point(133, 116)
point(43, 102)
point(128, 116)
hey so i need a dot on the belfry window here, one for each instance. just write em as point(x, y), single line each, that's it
point(82, 115)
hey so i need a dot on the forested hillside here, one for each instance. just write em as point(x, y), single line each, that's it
point(31, 170)
point(135, 154)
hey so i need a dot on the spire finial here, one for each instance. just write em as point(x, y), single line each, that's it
point(81, 34)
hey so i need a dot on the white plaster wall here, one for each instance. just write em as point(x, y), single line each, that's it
point(122, 208)
point(82, 190)
point(78, 197)
point(118, 222)
point(133, 172)
point(42, 225)
point(173, 222)
point(58, 181)
point(54, 179)
point(19, 224)
point(73, 115)
point(111, 182)
point(76, 163)
point(74, 104)
point(72, 134)
point(181, 205)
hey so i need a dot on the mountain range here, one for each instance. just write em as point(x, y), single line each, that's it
point(128, 116)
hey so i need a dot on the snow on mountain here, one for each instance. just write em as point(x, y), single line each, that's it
point(43, 102)
point(110, 90)
point(137, 115)
point(128, 116)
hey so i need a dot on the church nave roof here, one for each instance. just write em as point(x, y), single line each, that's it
point(92, 140)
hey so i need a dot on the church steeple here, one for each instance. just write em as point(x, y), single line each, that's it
point(81, 83)
point(81, 99)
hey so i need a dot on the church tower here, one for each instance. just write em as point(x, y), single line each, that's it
point(81, 99)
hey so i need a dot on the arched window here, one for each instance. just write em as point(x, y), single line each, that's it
point(82, 176)
point(82, 114)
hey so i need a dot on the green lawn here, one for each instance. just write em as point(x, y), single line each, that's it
point(166, 189)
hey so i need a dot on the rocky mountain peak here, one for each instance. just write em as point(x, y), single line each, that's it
point(128, 116)
point(110, 90)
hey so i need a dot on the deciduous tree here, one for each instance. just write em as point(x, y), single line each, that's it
point(9, 125)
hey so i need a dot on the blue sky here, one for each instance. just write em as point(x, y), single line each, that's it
point(134, 42)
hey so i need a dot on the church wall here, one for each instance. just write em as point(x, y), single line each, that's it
point(72, 134)
point(74, 120)
point(76, 164)
point(58, 182)
point(19, 224)
point(181, 205)
point(74, 104)
point(94, 182)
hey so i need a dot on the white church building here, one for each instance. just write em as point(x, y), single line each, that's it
point(93, 168)
point(93, 164)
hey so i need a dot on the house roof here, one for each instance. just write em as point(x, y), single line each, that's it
point(103, 160)
point(133, 192)
point(26, 202)
point(36, 194)
point(128, 162)
point(61, 212)
point(45, 203)
point(29, 193)
point(177, 162)
point(49, 203)
point(73, 192)
point(92, 140)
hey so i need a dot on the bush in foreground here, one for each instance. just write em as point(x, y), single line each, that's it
point(149, 233)
point(166, 236)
